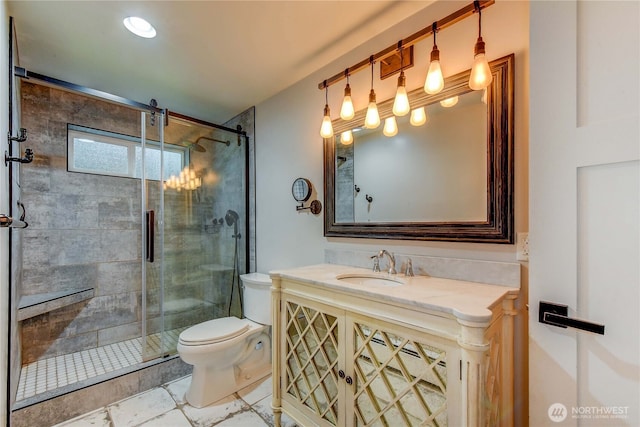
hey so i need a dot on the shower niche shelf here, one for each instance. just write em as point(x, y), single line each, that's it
point(34, 305)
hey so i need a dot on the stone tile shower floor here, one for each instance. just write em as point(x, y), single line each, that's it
point(166, 406)
point(46, 375)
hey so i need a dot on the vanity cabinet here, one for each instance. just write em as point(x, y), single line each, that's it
point(343, 358)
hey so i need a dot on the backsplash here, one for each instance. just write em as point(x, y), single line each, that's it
point(490, 272)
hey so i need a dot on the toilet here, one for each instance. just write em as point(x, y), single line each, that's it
point(228, 354)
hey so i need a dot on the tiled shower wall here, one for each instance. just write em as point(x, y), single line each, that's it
point(85, 232)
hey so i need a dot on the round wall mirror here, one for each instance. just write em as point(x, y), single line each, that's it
point(301, 189)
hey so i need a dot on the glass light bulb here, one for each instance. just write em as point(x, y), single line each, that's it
point(390, 126)
point(372, 119)
point(346, 137)
point(480, 73)
point(434, 82)
point(326, 129)
point(347, 112)
point(418, 116)
point(401, 104)
point(449, 102)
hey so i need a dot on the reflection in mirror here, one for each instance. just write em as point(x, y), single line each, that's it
point(411, 174)
point(450, 178)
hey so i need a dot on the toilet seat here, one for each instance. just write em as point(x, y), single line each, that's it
point(214, 331)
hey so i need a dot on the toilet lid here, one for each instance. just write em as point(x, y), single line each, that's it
point(213, 331)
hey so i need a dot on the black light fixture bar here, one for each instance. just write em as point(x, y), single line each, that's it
point(414, 38)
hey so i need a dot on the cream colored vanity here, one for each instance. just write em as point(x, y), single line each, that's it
point(355, 348)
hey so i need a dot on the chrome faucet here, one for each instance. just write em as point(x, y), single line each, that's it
point(409, 269)
point(376, 263)
point(392, 260)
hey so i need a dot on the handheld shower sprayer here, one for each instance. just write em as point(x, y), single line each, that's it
point(232, 218)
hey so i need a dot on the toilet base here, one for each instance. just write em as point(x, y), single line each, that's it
point(200, 394)
point(211, 382)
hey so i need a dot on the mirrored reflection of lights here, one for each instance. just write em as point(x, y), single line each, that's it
point(186, 180)
point(449, 102)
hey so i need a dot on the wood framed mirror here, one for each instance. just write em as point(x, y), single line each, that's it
point(450, 179)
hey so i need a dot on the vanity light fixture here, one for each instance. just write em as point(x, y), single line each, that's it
point(347, 112)
point(139, 26)
point(449, 102)
point(372, 119)
point(480, 71)
point(434, 82)
point(346, 138)
point(390, 126)
point(418, 117)
point(401, 105)
point(326, 129)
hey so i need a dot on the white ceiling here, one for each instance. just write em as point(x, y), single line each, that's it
point(210, 60)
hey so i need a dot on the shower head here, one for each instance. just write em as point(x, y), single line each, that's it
point(232, 217)
point(193, 146)
point(196, 145)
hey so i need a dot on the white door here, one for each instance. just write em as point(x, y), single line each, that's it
point(584, 211)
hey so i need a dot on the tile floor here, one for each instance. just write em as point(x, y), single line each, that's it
point(166, 406)
point(54, 372)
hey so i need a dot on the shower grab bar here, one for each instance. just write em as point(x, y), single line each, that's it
point(150, 235)
point(9, 222)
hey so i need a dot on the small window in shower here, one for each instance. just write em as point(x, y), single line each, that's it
point(107, 153)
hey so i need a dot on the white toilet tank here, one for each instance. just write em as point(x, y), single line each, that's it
point(257, 297)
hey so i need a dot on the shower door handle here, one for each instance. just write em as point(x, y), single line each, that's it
point(150, 235)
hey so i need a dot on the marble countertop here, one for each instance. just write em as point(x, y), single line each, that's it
point(468, 301)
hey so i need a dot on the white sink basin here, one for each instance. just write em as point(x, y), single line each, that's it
point(370, 280)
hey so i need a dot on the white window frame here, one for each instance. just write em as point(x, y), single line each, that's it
point(112, 138)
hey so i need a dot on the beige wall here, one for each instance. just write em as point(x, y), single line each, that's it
point(288, 145)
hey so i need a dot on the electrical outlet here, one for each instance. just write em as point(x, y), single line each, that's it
point(522, 246)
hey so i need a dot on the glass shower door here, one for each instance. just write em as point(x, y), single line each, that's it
point(197, 216)
point(152, 170)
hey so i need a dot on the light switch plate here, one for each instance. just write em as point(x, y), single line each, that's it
point(522, 246)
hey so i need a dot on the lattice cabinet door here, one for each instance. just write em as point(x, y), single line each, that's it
point(313, 360)
point(400, 377)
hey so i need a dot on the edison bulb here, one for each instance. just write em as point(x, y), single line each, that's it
point(401, 103)
point(346, 138)
point(449, 102)
point(434, 82)
point(372, 119)
point(418, 117)
point(480, 71)
point(390, 126)
point(326, 129)
point(347, 112)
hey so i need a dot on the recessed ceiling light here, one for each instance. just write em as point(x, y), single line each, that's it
point(140, 27)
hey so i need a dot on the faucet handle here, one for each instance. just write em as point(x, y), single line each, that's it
point(408, 271)
point(376, 263)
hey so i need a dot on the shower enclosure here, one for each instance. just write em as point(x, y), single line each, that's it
point(138, 229)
